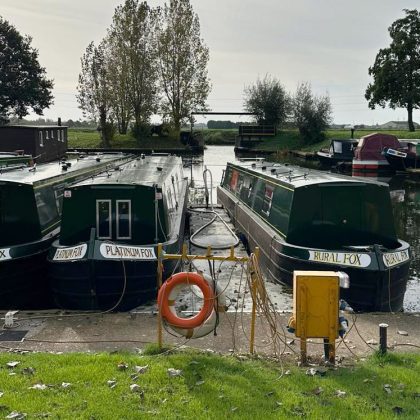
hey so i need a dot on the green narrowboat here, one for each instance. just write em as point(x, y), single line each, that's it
point(311, 220)
point(11, 160)
point(106, 256)
point(30, 209)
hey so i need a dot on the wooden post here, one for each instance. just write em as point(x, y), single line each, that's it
point(159, 285)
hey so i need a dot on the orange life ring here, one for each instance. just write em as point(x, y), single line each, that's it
point(169, 291)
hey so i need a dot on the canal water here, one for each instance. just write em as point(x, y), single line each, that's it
point(405, 196)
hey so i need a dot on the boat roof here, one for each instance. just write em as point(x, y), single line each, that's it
point(144, 170)
point(295, 176)
point(41, 127)
point(42, 172)
point(346, 140)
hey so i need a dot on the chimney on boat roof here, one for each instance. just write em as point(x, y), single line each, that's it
point(59, 122)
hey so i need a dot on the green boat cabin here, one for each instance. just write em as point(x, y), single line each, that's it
point(313, 208)
point(31, 198)
point(120, 205)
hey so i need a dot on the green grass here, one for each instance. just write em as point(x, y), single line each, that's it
point(91, 139)
point(284, 140)
point(211, 387)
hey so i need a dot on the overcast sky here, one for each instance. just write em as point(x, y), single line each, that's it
point(330, 43)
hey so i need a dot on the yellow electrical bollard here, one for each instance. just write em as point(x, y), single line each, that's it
point(316, 308)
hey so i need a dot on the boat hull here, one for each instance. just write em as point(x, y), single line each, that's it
point(374, 286)
point(23, 276)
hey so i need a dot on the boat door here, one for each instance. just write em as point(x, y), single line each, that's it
point(113, 219)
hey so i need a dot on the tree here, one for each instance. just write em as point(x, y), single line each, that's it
point(311, 114)
point(396, 71)
point(268, 100)
point(134, 62)
point(23, 82)
point(183, 59)
point(94, 95)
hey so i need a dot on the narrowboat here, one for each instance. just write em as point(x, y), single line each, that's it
point(106, 256)
point(311, 220)
point(403, 159)
point(369, 153)
point(30, 208)
point(14, 160)
point(340, 150)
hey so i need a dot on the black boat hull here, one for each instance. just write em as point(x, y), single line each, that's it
point(373, 288)
point(23, 278)
point(104, 285)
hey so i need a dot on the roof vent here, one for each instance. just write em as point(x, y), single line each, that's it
point(64, 167)
point(98, 159)
point(68, 164)
point(254, 165)
point(159, 169)
point(263, 168)
point(143, 156)
point(273, 170)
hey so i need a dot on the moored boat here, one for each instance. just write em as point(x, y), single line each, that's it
point(30, 209)
point(311, 220)
point(105, 257)
point(340, 150)
point(369, 153)
point(403, 159)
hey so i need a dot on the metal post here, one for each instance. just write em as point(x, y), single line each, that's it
point(383, 328)
point(159, 285)
point(254, 280)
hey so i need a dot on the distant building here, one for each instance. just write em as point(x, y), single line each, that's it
point(398, 125)
point(45, 143)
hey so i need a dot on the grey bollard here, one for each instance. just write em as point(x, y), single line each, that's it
point(383, 328)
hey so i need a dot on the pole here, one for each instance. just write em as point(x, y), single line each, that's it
point(254, 279)
point(383, 328)
point(159, 285)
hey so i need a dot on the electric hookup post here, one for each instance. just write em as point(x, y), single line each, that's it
point(316, 309)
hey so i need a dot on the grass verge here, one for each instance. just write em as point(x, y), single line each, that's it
point(209, 387)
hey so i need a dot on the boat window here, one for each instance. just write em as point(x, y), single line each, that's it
point(249, 190)
point(59, 197)
point(47, 210)
point(58, 135)
point(123, 219)
point(234, 180)
point(41, 139)
point(46, 135)
point(52, 134)
point(103, 219)
point(239, 184)
point(268, 198)
point(338, 147)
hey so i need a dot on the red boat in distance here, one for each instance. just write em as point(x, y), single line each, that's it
point(369, 156)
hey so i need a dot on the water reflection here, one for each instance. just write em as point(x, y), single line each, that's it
point(405, 196)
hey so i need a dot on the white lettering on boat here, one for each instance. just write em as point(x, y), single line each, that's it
point(395, 258)
point(350, 259)
point(123, 252)
point(72, 253)
point(5, 254)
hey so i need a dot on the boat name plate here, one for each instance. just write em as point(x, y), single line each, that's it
point(123, 252)
point(5, 254)
point(72, 253)
point(350, 259)
point(395, 258)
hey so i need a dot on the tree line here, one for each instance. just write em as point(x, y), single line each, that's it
point(272, 104)
point(152, 61)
